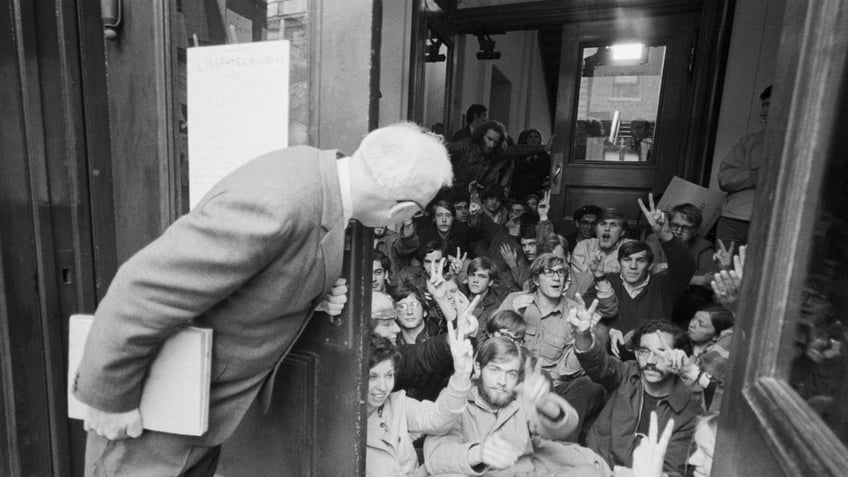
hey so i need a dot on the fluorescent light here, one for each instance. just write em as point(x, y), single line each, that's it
point(627, 51)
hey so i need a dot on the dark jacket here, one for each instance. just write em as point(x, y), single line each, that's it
point(656, 301)
point(420, 359)
point(613, 434)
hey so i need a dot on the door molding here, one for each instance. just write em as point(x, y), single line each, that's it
point(804, 131)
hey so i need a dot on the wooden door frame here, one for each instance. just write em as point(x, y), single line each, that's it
point(760, 411)
point(58, 220)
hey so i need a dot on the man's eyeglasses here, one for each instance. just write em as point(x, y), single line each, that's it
point(551, 272)
point(681, 228)
point(409, 306)
point(645, 353)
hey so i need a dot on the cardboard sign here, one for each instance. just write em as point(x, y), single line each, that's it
point(680, 191)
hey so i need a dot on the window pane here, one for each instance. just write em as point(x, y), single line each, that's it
point(203, 23)
point(618, 102)
point(817, 369)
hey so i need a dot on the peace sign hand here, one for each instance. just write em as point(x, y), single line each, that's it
point(596, 264)
point(544, 206)
point(467, 323)
point(649, 455)
point(657, 219)
point(582, 319)
point(436, 285)
point(461, 349)
point(724, 255)
point(457, 261)
point(535, 388)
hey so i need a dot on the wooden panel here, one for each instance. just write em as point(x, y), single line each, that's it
point(669, 156)
point(556, 12)
point(806, 123)
point(257, 448)
point(622, 199)
point(141, 131)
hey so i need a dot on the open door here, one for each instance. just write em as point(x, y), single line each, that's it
point(624, 99)
point(785, 409)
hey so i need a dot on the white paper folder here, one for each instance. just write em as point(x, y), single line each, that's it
point(175, 397)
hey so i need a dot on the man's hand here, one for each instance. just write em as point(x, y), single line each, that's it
point(467, 323)
point(657, 219)
point(616, 341)
point(649, 455)
point(596, 265)
point(113, 425)
point(334, 302)
point(509, 255)
point(436, 285)
point(582, 319)
point(727, 284)
point(682, 365)
point(457, 261)
point(535, 389)
point(461, 350)
point(544, 206)
point(495, 452)
point(724, 256)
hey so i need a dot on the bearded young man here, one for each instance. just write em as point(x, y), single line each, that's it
point(511, 424)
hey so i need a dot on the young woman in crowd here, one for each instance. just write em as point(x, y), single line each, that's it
point(396, 420)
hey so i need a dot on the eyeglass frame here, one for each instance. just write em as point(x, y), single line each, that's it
point(550, 272)
point(413, 305)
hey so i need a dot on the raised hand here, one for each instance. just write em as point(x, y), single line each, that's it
point(509, 255)
point(582, 319)
point(682, 365)
point(461, 349)
point(467, 323)
point(596, 265)
point(495, 452)
point(657, 219)
point(457, 261)
point(534, 388)
point(436, 285)
point(544, 206)
point(649, 455)
point(724, 256)
point(727, 284)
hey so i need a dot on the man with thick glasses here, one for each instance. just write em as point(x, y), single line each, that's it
point(635, 389)
point(548, 336)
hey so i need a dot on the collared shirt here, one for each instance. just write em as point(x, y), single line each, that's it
point(635, 291)
point(548, 336)
point(343, 166)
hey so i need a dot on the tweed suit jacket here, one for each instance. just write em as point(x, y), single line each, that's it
point(249, 261)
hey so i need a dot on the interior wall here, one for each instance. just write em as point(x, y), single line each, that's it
point(394, 62)
point(521, 64)
point(750, 69)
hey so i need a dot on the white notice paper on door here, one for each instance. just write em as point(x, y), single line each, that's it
point(238, 108)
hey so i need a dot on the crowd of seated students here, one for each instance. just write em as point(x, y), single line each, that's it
point(581, 352)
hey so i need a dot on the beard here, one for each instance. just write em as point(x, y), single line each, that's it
point(497, 400)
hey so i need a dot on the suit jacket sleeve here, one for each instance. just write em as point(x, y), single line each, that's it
point(200, 260)
point(604, 369)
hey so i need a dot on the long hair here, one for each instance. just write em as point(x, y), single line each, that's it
point(381, 349)
point(497, 126)
point(499, 349)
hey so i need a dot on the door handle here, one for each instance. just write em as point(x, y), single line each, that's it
point(110, 12)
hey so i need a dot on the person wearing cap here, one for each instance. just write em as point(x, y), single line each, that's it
point(493, 204)
point(609, 231)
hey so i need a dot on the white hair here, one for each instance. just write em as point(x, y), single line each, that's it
point(406, 161)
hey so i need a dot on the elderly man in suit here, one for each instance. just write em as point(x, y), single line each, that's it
point(260, 252)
